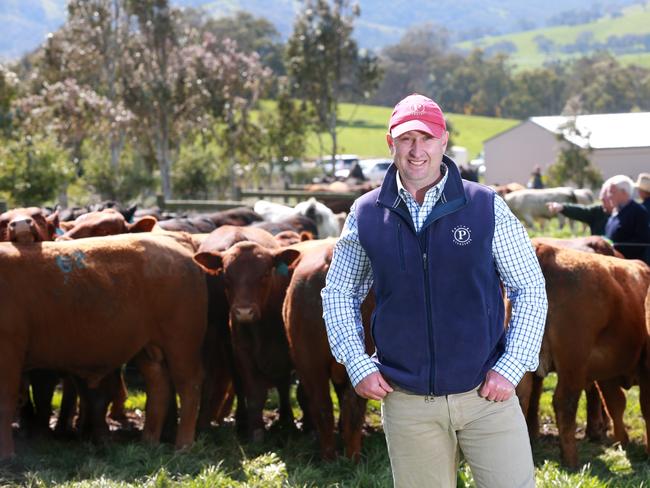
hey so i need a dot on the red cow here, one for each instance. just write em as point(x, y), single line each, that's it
point(94, 304)
point(105, 222)
point(311, 354)
point(255, 273)
point(28, 225)
point(595, 331)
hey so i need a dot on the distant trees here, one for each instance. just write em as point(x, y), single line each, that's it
point(477, 83)
point(324, 62)
point(573, 164)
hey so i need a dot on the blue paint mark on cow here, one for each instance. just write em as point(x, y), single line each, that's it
point(67, 264)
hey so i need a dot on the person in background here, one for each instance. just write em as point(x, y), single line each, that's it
point(643, 187)
point(629, 225)
point(436, 249)
point(594, 215)
point(535, 180)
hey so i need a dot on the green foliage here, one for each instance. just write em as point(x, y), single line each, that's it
point(124, 182)
point(33, 169)
point(323, 61)
point(200, 172)
point(573, 164)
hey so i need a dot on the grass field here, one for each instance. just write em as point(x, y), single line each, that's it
point(288, 459)
point(635, 20)
point(363, 131)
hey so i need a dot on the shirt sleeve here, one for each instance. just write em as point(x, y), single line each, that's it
point(525, 287)
point(348, 281)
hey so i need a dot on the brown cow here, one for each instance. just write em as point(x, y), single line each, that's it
point(94, 304)
point(311, 354)
point(255, 273)
point(595, 244)
point(105, 222)
point(28, 225)
point(597, 417)
point(595, 331)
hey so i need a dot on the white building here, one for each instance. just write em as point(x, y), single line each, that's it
point(620, 144)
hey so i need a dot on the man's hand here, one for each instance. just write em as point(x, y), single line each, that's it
point(554, 207)
point(496, 387)
point(373, 387)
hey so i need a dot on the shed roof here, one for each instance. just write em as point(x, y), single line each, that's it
point(602, 131)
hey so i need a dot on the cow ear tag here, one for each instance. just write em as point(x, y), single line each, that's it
point(59, 231)
point(282, 269)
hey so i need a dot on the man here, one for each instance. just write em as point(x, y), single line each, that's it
point(594, 215)
point(628, 227)
point(643, 186)
point(436, 249)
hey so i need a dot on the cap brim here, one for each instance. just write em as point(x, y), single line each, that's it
point(434, 130)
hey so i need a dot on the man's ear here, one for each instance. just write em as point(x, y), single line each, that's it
point(391, 144)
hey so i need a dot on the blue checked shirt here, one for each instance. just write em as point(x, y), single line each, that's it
point(350, 278)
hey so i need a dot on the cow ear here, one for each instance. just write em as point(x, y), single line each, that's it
point(305, 235)
point(53, 224)
point(145, 224)
point(283, 259)
point(210, 262)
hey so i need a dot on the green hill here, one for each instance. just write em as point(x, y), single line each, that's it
point(363, 131)
point(634, 21)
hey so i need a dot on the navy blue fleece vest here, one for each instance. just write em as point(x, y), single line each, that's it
point(438, 323)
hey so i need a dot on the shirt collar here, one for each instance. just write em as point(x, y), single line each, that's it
point(437, 189)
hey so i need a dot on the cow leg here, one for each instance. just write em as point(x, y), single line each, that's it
point(565, 404)
point(9, 391)
point(644, 394)
point(286, 412)
point(93, 403)
point(255, 399)
point(615, 400)
point(43, 384)
point(65, 422)
point(317, 391)
point(303, 401)
point(597, 419)
point(158, 391)
point(529, 391)
point(187, 377)
point(118, 396)
point(352, 416)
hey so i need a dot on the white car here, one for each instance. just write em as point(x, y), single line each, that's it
point(373, 169)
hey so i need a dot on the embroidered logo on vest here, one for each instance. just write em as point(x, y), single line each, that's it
point(462, 235)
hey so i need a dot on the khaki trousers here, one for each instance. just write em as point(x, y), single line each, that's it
point(424, 435)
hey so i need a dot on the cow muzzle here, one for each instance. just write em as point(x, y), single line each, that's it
point(245, 314)
point(21, 230)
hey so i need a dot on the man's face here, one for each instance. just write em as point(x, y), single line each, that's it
point(617, 197)
point(417, 156)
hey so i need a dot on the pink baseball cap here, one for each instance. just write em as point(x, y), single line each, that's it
point(417, 112)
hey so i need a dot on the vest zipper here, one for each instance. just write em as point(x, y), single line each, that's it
point(400, 243)
point(427, 294)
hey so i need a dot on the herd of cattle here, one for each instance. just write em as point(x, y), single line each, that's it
point(227, 305)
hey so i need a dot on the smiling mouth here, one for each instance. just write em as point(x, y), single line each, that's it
point(416, 162)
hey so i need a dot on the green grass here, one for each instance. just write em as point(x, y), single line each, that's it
point(220, 458)
point(635, 20)
point(363, 131)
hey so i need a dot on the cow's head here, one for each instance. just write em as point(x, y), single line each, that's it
point(28, 225)
point(106, 222)
point(249, 271)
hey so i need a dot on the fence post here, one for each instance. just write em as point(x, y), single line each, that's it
point(160, 201)
point(3, 206)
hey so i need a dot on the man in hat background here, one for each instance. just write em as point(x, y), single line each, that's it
point(436, 248)
point(643, 187)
